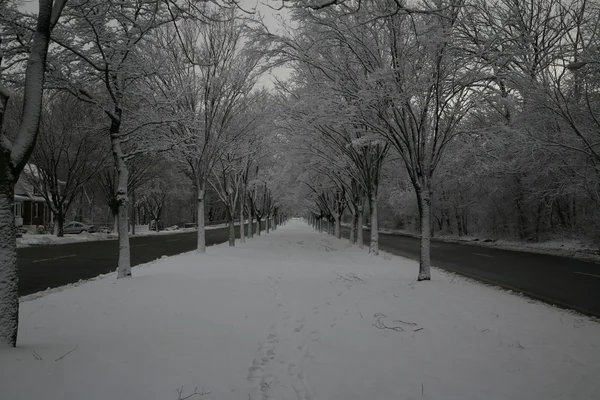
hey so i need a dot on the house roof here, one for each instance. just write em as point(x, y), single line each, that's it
point(24, 190)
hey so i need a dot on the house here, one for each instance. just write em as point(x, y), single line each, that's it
point(30, 207)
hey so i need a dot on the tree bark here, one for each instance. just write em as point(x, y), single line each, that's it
point(250, 224)
point(231, 225)
point(354, 227)
point(133, 211)
point(338, 226)
point(360, 234)
point(124, 263)
point(374, 245)
point(258, 226)
point(12, 161)
point(201, 237)
point(59, 223)
point(268, 224)
point(424, 199)
point(9, 276)
point(242, 233)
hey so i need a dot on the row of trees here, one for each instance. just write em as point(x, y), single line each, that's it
point(162, 86)
point(475, 117)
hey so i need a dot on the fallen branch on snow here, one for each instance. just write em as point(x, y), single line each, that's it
point(349, 277)
point(180, 395)
point(380, 324)
point(67, 353)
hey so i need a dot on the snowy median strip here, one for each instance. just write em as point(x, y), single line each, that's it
point(296, 314)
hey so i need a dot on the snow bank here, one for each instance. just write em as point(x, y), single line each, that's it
point(296, 315)
point(47, 239)
point(140, 230)
point(575, 248)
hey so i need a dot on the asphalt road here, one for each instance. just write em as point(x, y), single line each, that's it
point(562, 281)
point(565, 282)
point(42, 267)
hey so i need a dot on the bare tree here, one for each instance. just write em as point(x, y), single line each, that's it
point(15, 150)
point(104, 65)
point(218, 77)
point(69, 154)
point(421, 101)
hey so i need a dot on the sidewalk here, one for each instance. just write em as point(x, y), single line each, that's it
point(296, 315)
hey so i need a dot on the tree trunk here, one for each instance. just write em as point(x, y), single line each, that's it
point(231, 225)
point(124, 263)
point(242, 222)
point(59, 223)
point(424, 199)
point(250, 224)
point(133, 211)
point(374, 245)
point(338, 226)
point(201, 238)
point(258, 226)
point(360, 234)
point(353, 227)
point(22, 147)
point(268, 224)
point(9, 277)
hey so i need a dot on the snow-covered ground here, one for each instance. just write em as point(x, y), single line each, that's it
point(140, 230)
point(296, 315)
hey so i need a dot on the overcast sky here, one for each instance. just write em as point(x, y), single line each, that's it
point(271, 20)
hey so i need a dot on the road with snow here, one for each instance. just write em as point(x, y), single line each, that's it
point(557, 280)
point(562, 281)
point(42, 267)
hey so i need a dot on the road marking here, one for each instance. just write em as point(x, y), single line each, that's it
point(139, 245)
point(482, 255)
point(54, 258)
point(583, 273)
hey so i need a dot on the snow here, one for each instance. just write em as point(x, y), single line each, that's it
point(296, 315)
point(140, 230)
point(565, 247)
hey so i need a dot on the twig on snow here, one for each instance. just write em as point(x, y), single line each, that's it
point(67, 353)
point(519, 345)
point(399, 321)
point(36, 356)
point(379, 324)
point(418, 329)
point(180, 395)
point(349, 277)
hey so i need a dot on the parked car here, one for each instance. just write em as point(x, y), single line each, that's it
point(78, 227)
